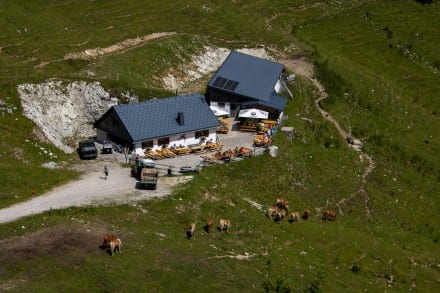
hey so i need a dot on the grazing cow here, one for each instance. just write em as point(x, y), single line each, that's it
point(224, 225)
point(209, 225)
point(294, 217)
point(329, 215)
point(272, 212)
point(281, 214)
point(282, 203)
point(191, 230)
point(306, 214)
point(113, 243)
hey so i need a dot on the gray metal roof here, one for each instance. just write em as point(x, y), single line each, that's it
point(158, 118)
point(275, 102)
point(247, 76)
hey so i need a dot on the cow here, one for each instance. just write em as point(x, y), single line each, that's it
point(282, 203)
point(329, 216)
point(294, 217)
point(113, 243)
point(224, 225)
point(209, 225)
point(306, 214)
point(272, 212)
point(280, 215)
point(191, 231)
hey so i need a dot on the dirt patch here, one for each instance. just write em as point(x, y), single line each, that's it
point(300, 66)
point(78, 240)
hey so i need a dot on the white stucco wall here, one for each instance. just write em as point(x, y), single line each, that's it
point(185, 139)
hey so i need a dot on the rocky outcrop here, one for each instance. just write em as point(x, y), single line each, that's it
point(65, 111)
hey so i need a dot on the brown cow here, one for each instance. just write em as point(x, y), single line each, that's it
point(191, 230)
point(209, 225)
point(294, 217)
point(113, 243)
point(282, 203)
point(281, 214)
point(272, 212)
point(306, 214)
point(224, 225)
point(329, 215)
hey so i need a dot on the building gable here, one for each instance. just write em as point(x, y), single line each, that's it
point(163, 117)
point(112, 125)
point(247, 76)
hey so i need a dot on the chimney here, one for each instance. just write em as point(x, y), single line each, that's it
point(180, 119)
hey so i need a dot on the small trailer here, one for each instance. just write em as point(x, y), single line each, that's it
point(147, 173)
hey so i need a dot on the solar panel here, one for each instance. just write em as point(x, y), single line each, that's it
point(220, 81)
point(225, 83)
point(233, 86)
point(228, 84)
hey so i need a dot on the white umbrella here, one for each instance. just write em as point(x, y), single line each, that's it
point(253, 113)
point(218, 111)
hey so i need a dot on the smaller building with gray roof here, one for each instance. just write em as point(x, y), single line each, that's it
point(244, 81)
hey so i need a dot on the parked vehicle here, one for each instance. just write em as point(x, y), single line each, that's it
point(87, 150)
point(107, 147)
point(147, 173)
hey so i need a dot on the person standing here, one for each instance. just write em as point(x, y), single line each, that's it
point(105, 172)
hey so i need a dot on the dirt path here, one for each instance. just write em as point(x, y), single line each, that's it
point(91, 189)
point(115, 48)
point(302, 67)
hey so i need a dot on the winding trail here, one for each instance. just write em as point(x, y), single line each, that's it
point(354, 143)
point(302, 67)
point(119, 47)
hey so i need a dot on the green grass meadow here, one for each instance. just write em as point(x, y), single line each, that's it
point(379, 63)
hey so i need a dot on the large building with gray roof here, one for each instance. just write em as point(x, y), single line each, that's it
point(173, 121)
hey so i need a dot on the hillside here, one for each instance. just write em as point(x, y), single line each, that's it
point(369, 69)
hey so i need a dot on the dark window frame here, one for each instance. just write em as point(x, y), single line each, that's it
point(163, 141)
point(202, 133)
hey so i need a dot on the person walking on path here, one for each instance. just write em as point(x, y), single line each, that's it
point(105, 172)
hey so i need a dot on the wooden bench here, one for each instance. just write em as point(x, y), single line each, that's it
point(248, 128)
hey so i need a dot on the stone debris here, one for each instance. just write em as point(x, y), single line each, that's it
point(64, 111)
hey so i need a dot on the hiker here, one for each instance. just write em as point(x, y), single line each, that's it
point(105, 171)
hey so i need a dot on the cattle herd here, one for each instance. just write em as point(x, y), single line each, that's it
point(224, 225)
point(278, 213)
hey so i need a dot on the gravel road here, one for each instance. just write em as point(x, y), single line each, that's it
point(92, 189)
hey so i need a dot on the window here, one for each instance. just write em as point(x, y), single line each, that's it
point(147, 144)
point(163, 141)
point(202, 133)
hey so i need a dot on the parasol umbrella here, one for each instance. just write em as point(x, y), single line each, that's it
point(253, 113)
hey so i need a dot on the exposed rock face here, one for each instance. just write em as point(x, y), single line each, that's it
point(65, 111)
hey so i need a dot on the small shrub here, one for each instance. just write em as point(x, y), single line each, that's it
point(279, 286)
point(355, 268)
point(424, 1)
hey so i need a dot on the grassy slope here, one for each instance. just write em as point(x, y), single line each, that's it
point(310, 255)
point(389, 99)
